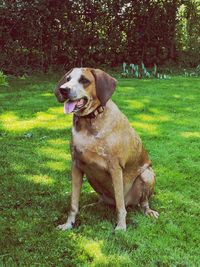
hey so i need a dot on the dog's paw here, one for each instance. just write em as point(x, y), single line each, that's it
point(65, 226)
point(152, 213)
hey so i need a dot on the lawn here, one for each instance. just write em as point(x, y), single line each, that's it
point(35, 179)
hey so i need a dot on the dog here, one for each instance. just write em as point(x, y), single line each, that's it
point(104, 146)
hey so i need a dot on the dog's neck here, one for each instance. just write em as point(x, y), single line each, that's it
point(88, 120)
point(93, 114)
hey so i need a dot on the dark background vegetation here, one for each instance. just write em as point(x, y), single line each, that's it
point(51, 35)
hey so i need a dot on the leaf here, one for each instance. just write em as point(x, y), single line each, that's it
point(43, 137)
point(148, 75)
point(124, 66)
point(28, 135)
point(143, 67)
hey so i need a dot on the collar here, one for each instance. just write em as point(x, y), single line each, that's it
point(93, 114)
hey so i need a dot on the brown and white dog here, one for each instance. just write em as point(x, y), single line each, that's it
point(104, 146)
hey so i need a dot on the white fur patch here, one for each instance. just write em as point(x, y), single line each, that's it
point(148, 175)
point(74, 83)
point(84, 142)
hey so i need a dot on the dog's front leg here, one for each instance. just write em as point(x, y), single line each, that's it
point(77, 178)
point(117, 179)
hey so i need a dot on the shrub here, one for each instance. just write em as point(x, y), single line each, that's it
point(136, 71)
point(192, 73)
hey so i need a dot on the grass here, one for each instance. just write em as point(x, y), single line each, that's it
point(35, 179)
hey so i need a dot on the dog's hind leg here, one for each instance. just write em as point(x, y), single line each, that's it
point(107, 200)
point(103, 199)
point(141, 191)
point(148, 178)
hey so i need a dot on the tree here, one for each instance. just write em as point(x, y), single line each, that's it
point(39, 35)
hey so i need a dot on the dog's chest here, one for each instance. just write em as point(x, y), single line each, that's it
point(89, 148)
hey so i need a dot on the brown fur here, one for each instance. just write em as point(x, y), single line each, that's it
point(110, 153)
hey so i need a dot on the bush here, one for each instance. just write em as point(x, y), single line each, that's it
point(140, 71)
point(188, 59)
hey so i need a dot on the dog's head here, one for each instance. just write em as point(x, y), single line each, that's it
point(82, 90)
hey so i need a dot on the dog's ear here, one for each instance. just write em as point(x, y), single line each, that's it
point(105, 85)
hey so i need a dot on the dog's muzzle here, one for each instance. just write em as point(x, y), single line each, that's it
point(75, 105)
point(72, 101)
point(64, 92)
point(67, 93)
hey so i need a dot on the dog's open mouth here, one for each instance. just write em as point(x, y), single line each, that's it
point(75, 105)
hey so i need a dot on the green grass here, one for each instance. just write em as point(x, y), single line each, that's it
point(35, 179)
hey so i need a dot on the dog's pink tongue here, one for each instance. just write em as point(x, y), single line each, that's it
point(69, 107)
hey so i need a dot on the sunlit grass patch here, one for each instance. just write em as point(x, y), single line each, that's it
point(191, 134)
point(145, 127)
point(55, 165)
point(135, 104)
point(8, 116)
point(47, 94)
point(40, 179)
point(94, 250)
point(54, 153)
point(12, 123)
point(44, 116)
point(149, 118)
point(58, 142)
point(60, 110)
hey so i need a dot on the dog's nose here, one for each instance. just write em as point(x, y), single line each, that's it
point(65, 91)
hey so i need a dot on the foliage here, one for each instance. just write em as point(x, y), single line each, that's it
point(48, 35)
point(139, 72)
point(194, 73)
point(188, 32)
point(3, 79)
point(35, 179)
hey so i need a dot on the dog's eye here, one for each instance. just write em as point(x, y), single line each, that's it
point(68, 79)
point(84, 80)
